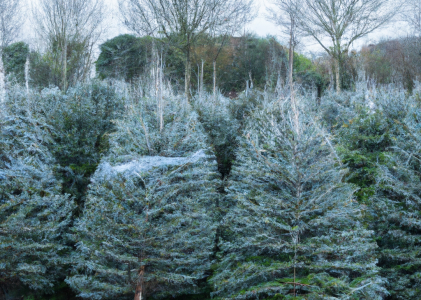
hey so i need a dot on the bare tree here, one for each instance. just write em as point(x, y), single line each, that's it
point(70, 28)
point(10, 20)
point(285, 14)
point(342, 22)
point(182, 22)
point(412, 15)
point(10, 24)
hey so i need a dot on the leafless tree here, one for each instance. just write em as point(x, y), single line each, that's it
point(10, 20)
point(10, 23)
point(285, 14)
point(70, 29)
point(411, 13)
point(182, 22)
point(336, 24)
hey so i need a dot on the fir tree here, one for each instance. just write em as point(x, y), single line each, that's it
point(34, 215)
point(147, 228)
point(293, 228)
point(396, 209)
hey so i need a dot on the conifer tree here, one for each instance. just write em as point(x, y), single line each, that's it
point(148, 229)
point(34, 215)
point(292, 231)
point(396, 210)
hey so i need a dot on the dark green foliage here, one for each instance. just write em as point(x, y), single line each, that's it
point(148, 222)
point(381, 146)
point(262, 57)
point(397, 204)
point(221, 127)
point(124, 56)
point(365, 141)
point(364, 135)
point(306, 74)
point(80, 119)
point(34, 215)
point(14, 59)
point(292, 214)
point(40, 72)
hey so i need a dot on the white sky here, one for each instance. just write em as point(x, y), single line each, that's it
point(260, 26)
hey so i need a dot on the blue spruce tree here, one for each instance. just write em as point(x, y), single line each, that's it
point(148, 229)
point(397, 204)
point(34, 215)
point(292, 231)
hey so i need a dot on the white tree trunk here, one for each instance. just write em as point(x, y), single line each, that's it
point(338, 76)
point(64, 66)
point(201, 78)
point(27, 76)
point(214, 80)
point(161, 100)
point(2, 80)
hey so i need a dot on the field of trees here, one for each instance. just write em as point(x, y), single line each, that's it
point(192, 160)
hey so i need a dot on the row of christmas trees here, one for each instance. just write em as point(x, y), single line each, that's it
point(322, 201)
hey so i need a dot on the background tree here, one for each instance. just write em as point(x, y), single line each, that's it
point(411, 14)
point(70, 30)
point(15, 57)
point(183, 22)
point(285, 14)
point(11, 17)
point(342, 22)
point(10, 24)
point(124, 56)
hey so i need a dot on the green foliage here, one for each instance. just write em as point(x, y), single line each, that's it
point(306, 74)
point(40, 71)
point(292, 214)
point(80, 120)
point(380, 145)
point(397, 204)
point(152, 226)
point(34, 215)
point(124, 56)
point(14, 59)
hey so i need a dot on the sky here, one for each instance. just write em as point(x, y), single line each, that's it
point(260, 26)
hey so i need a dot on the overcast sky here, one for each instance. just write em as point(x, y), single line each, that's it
point(259, 26)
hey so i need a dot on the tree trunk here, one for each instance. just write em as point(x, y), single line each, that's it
point(291, 56)
point(291, 80)
point(214, 80)
point(198, 79)
point(338, 75)
point(138, 294)
point(201, 78)
point(27, 66)
point(161, 99)
point(139, 288)
point(188, 76)
point(2, 81)
point(64, 66)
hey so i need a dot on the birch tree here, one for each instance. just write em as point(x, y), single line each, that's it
point(182, 22)
point(337, 24)
point(71, 29)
